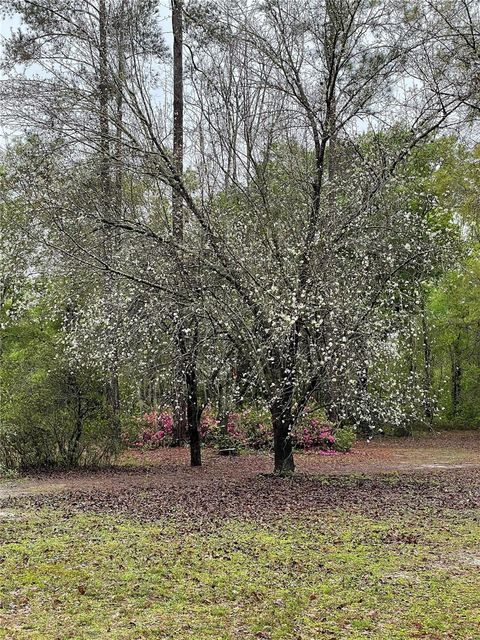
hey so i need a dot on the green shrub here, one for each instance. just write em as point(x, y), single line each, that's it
point(50, 415)
point(56, 420)
point(344, 438)
point(8, 474)
point(256, 425)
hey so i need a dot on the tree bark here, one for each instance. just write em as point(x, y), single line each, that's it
point(112, 387)
point(193, 414)
point(73, 443)
point(181, 419)
point(281, 410)
point(427, 366)
point(456, 376)
point(119, 114)
point(282, 421)
point(188, 356)
point(281, 407)
point(177, 28)
point(103, 95)
point(113, 402)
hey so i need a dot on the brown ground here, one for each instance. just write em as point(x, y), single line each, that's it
point(441, 470)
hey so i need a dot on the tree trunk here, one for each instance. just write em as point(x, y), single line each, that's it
point(193, 414)
point(103, 96)
point(177, 28)
point(72, 453)
point(113, 402)
point(112, 388)
point(364, 425)
point(427, 366)
point(282, 421)
point(456, 376)
point(181, 417)
point(119, 114)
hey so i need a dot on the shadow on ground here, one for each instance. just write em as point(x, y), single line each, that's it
point(432, 472)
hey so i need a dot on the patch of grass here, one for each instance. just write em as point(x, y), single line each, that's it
point(335, 575)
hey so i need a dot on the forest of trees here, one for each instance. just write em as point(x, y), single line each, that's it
point(265, 207)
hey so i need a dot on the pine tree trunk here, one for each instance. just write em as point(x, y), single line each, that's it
point(112, 390)
point(181, 418)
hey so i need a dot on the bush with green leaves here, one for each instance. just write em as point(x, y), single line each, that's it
point(256, 424)
point(50, 415)
point(345, 438)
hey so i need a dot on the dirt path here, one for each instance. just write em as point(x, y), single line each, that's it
point(169, 467)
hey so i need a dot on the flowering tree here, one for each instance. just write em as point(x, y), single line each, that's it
point(325, 245)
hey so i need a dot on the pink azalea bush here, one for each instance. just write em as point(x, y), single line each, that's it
point(250, 428)
point(156, 430)
point(315, 435)
point(314, 432)
point(233, 427)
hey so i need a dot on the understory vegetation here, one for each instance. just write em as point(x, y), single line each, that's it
point(251, 429)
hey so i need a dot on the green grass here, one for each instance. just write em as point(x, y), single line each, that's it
point(339, 575)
